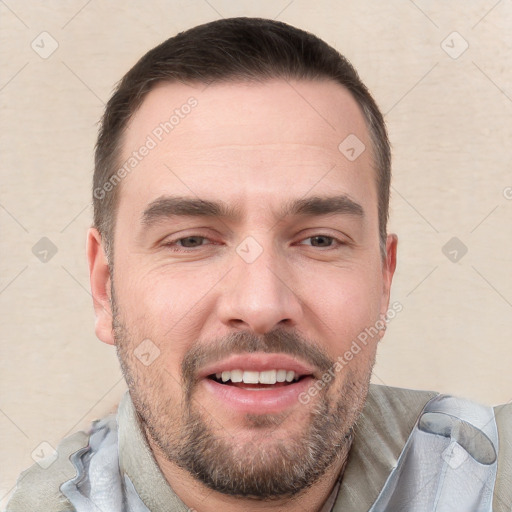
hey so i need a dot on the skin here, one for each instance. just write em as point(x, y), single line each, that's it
point(256, 148)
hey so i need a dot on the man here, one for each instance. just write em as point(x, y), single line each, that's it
point(240, 264)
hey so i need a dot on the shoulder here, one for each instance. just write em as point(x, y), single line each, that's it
point(38, 488)
point(396, 408)
point(400, 408)
point(399, 398)
point(503, 489)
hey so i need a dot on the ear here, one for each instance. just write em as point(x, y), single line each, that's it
point(100, 286)
point(388, 270)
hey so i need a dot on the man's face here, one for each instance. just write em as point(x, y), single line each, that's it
point(246, 248)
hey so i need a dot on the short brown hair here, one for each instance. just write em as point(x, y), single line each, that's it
point(246, 49)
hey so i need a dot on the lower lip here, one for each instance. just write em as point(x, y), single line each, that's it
point(258, 401)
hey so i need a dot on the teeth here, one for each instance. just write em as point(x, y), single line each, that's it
point(268, 377)
point(252, 377)
point(237, 375)
point(281, 375)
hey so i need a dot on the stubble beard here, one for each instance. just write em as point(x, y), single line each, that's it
point(266, 467)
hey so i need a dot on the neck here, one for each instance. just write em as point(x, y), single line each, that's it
point(200, 498)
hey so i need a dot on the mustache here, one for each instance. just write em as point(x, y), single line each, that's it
point(241, 342)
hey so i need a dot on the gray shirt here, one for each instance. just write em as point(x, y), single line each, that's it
point(380, 434)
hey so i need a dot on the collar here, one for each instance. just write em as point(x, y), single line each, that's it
point(380, 434)
point(136, 460)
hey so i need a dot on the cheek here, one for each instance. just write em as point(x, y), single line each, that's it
point(148, 297)
point(163, 306)
point(348, 306)
point(167, 280)
point(149, 351)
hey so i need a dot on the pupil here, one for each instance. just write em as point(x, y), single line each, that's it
point(191, 241)
point(321, 241)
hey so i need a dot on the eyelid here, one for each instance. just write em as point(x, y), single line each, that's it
point(339, 240)
point(336, 240)
point(170, 241)
point(338, 236)
point(177, 239)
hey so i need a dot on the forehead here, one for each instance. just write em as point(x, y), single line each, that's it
point(243, 139)
point(242, 112)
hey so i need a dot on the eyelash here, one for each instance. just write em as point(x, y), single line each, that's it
point(172, 244)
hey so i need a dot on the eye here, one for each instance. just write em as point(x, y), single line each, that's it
point(188, 242)
point(320, 241)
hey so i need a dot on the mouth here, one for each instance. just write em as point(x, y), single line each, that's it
point(256, 383)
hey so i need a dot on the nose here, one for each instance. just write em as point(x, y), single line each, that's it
point(259, 295)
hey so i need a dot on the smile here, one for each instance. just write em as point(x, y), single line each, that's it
point(278, 378)
point(267, 377)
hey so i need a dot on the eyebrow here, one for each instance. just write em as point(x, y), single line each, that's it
point(324, 206)
point(171, 206)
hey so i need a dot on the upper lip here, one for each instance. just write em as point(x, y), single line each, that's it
point(259, 363)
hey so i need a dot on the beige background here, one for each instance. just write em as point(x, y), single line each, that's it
point(450, 123)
